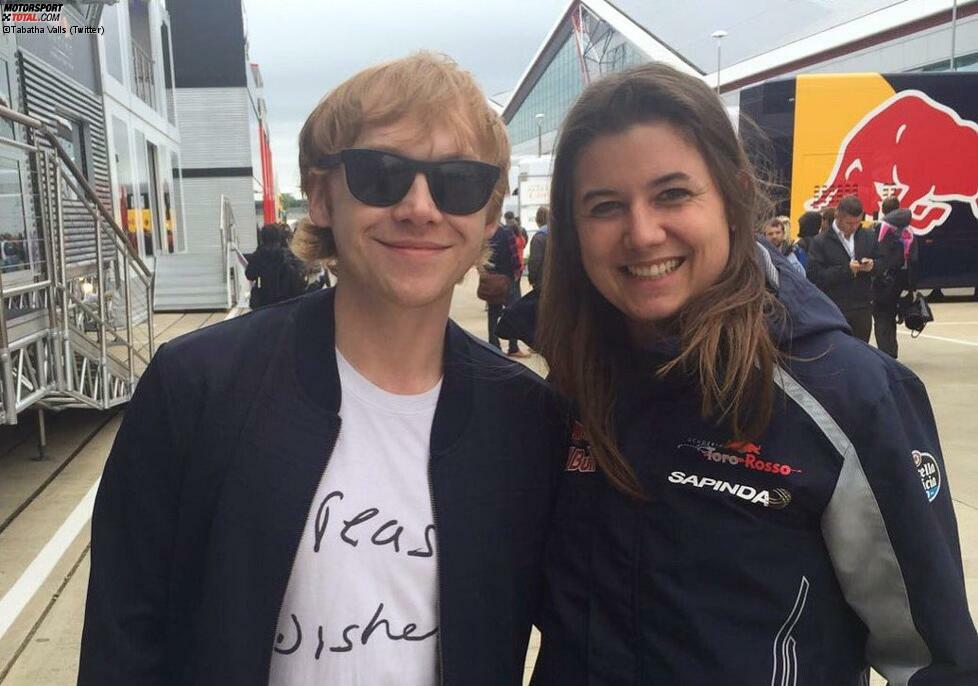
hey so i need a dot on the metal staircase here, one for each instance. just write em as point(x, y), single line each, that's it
point(74, 331)
point(203, 280)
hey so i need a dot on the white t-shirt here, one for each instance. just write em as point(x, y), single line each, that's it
point(361, 604)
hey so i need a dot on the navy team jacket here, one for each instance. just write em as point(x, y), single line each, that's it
point(212, 476)
point(827, 546)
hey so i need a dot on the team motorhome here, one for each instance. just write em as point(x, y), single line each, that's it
point(910, 135)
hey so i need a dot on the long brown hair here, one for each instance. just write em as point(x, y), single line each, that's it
point(724, 339)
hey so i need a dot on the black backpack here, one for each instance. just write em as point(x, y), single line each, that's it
point(281, 277)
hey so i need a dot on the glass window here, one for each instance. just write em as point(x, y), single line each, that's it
point(144, 223)
point(18, 247)
point(6, 126)
point(113, 41)
point(562, 81)
point(125, 201)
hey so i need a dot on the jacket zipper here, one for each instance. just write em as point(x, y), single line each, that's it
point(281, 601)
point(434, 521)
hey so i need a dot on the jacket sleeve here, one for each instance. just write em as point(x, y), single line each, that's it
point(534, 265)
point(892, 536)
point(502, 253)
point(124, 641)
point(253, 270)
point(823, 274)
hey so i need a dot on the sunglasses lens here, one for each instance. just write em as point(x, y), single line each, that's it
point(462, 187)
point(376, 178)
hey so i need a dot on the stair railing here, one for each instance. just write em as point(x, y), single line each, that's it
point(74, 332)
point(232, 260)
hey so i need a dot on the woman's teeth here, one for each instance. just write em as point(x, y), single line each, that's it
point(654, 271)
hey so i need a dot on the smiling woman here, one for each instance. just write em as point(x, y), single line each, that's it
point(745, 474)
point(655, 201)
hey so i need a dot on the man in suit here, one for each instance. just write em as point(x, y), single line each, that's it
point(842, 262)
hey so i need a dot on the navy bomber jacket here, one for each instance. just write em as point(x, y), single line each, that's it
point(827, 546)
point(211, 479)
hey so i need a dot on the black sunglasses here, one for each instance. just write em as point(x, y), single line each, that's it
point(382, 179)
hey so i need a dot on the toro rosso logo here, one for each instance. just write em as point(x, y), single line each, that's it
point(915, 147)
point(739, 454)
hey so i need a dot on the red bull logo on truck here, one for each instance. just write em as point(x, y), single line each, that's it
point(913, 147)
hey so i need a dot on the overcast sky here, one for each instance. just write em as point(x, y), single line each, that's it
point(306, 47)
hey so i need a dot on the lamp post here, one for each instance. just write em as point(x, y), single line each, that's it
point(954, 26)
point(539, 118)
point(718, 35)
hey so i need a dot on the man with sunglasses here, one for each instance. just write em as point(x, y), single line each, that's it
point(345, 488)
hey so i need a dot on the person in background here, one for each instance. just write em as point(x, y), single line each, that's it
point(519, 236)
point(828, 216)
point(538, 248)
point(841, 262)
point(786, 225)
point(751, 496)
point(240, 537)
point(809, 225)
point(277, 274)
point(503, 259)
point(898, 257)
point(776, 235)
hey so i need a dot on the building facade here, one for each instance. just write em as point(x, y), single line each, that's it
point(762, 40)
point(141, 126)
point(218, 104)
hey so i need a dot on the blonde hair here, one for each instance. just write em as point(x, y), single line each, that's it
point(427, 86)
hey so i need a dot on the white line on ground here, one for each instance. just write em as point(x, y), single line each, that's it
point(953, 323)
point(235, 311)
point(20, 594)
point(973, 344)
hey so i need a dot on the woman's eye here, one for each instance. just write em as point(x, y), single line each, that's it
point(673, 195)
point(605, 208)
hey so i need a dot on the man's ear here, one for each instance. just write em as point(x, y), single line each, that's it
point(319, 210)
point(490, 229)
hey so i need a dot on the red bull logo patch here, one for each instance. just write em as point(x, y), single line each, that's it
point(579, 457)
point(913, 147)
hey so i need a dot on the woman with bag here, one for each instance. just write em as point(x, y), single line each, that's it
point(752, 495)
point(898, 256)
point(496, 283)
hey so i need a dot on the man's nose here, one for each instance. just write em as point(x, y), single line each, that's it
point(417, 206)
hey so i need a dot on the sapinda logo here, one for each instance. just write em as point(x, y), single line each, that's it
point(776, 499)
point(32, 12)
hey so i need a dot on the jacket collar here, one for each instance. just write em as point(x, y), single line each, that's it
point(319, 380)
